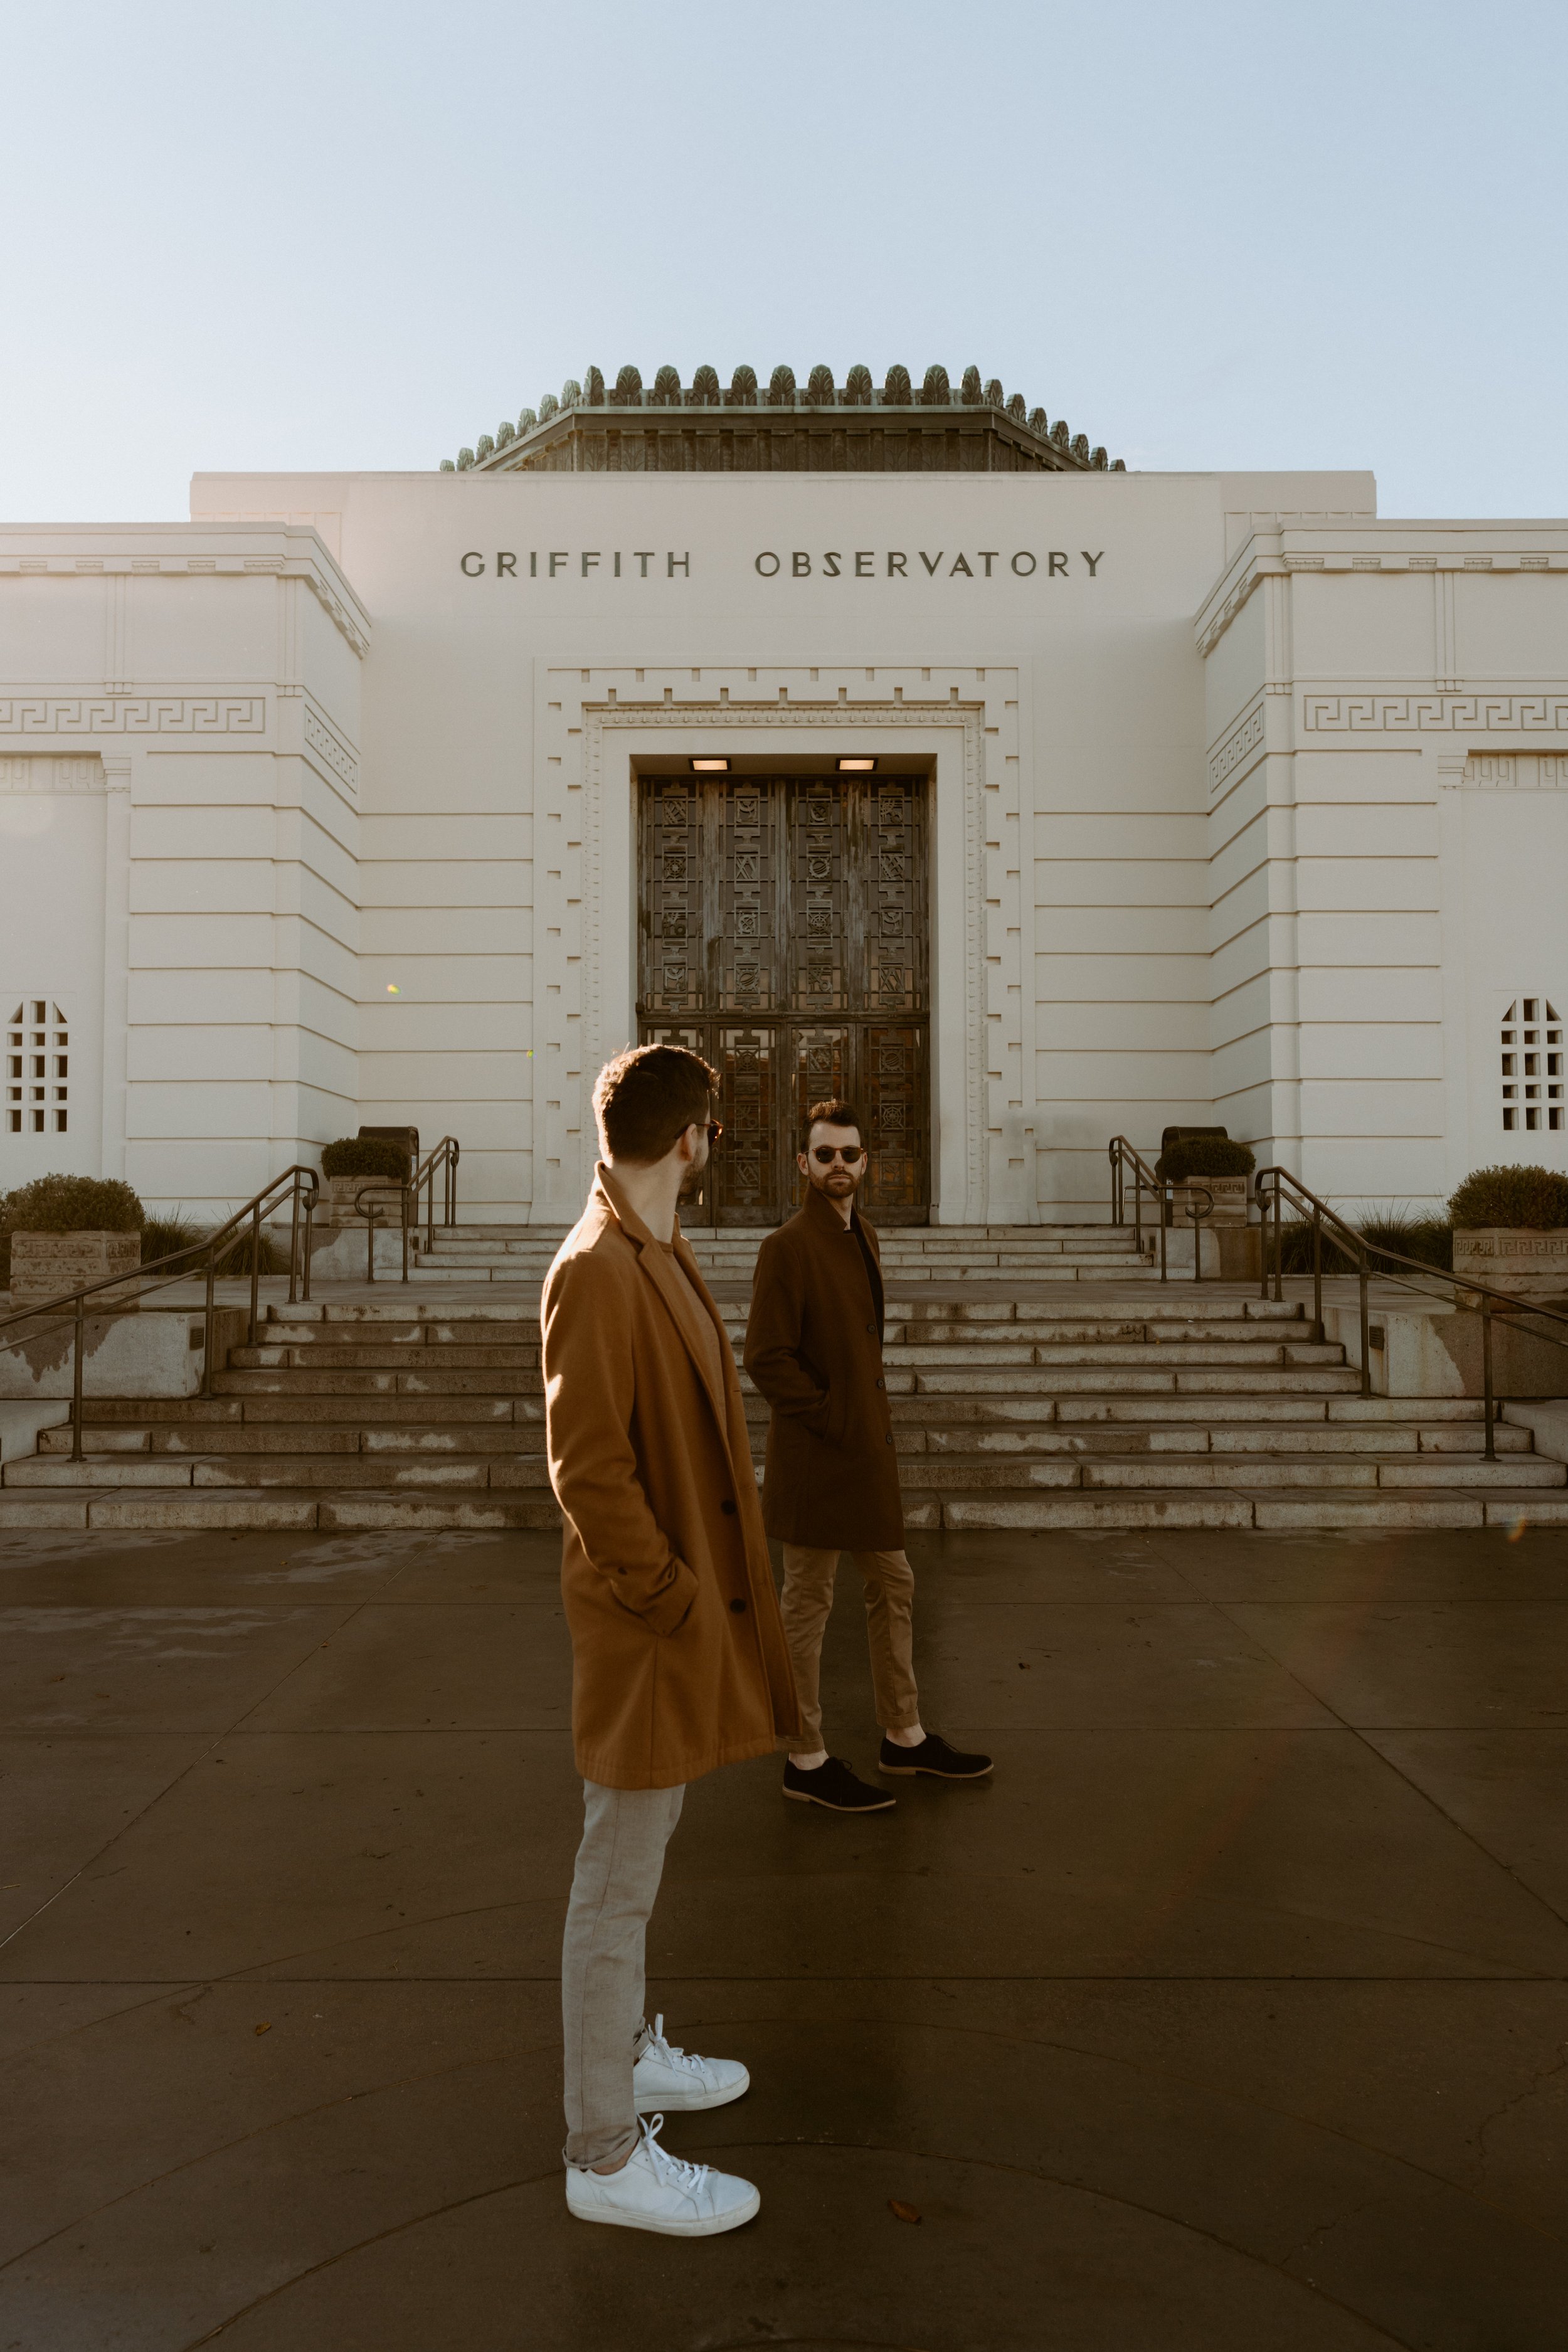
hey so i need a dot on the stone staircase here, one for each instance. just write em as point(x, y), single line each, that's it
point(1014, 1406)
point(909, 1253)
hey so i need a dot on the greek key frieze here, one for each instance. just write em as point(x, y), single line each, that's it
point(1394, 714)
point(132, 715)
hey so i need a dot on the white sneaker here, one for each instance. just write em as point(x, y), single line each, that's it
point(677, 2080)
point(655, 2191)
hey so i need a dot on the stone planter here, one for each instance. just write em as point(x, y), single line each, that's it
point(1229, 1194)
point(45, 1264)
point(1515, 1258)
point(335, 1208)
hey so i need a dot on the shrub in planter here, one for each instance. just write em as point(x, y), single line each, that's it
point(1510, 1230)
point(1533, 1199)
point(364, 1156)
point(1216, 1163)
point(351, 1162)
point(105, 1214)
point(1202, 1156)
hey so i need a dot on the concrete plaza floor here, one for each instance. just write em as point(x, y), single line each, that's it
point(1231, 2013)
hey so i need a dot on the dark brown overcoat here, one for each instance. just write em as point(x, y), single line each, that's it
point(678, 1652)
point(814, 1346)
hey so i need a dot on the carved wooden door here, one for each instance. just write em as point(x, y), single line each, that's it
point(783, 936)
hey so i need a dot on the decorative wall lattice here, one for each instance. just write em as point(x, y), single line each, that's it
point(784, 935)
point(1532, 1066)
point(38, 1070)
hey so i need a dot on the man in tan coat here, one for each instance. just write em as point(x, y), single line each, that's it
point(679, 1657)
point(814, 1346)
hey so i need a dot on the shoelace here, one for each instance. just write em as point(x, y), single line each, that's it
point(688, 2177)
point(658, 2047)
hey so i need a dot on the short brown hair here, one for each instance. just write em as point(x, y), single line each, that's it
point(829, 1114)
point(648, 1096)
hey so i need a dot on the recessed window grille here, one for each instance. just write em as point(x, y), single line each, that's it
point(1532, 1066)
point(37, 1068)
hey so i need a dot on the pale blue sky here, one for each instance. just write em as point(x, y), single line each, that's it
point(316, 232)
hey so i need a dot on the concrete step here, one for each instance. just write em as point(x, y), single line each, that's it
point(374, 1356)
point(282, 1381)
point(1101, 1380)
point(192, 1508)
point(1264, 1351)
point(978, 1472)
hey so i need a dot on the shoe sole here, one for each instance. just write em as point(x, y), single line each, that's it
point(805, 1796)
point(721, 2221)
point(691, 2103)
point(929, 1772)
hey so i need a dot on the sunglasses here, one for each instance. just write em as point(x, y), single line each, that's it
point(825, 1154)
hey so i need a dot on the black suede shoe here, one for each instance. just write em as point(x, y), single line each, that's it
point(833, 1785)
point(933, 1756)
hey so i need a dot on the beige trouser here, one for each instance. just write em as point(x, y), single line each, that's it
point(619, 1864)
point(889, 1597)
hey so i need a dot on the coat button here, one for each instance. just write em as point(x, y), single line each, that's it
point(728, 1507)
point(881, 1383)
point(887, 1441)
point(739, 1607)
point(870, 1326)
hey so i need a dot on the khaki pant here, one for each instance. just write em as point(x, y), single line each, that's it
point(889, 1596)
point(619, 1864)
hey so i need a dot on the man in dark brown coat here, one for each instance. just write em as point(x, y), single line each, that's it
point(813, 1348)
point(678, 1658)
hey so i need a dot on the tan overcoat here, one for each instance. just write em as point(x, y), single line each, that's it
point(814, 1346)
point(677, 1650)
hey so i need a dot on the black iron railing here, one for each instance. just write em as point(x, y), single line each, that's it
point(1127, 1159)
point(1274, 1187)
point(298, 1186)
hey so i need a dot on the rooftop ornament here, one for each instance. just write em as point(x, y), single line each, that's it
point(506, 449)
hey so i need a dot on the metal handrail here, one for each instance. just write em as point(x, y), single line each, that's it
point(159, 1274)
point(1355, 1244)
point(441, 1160)
point(443, 1157)
point(382, 1186)
point(1124, 1155)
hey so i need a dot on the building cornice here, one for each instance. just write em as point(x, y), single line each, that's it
point(183, 550)
point(1378, 546)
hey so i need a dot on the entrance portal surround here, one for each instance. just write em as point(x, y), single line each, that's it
point(597, 739)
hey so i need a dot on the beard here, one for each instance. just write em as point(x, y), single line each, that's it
point(692, 1182)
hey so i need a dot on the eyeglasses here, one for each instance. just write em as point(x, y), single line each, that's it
point(825, 1154)
point(715, 1130)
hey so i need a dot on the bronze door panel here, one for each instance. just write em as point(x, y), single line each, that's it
point(784, 935)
